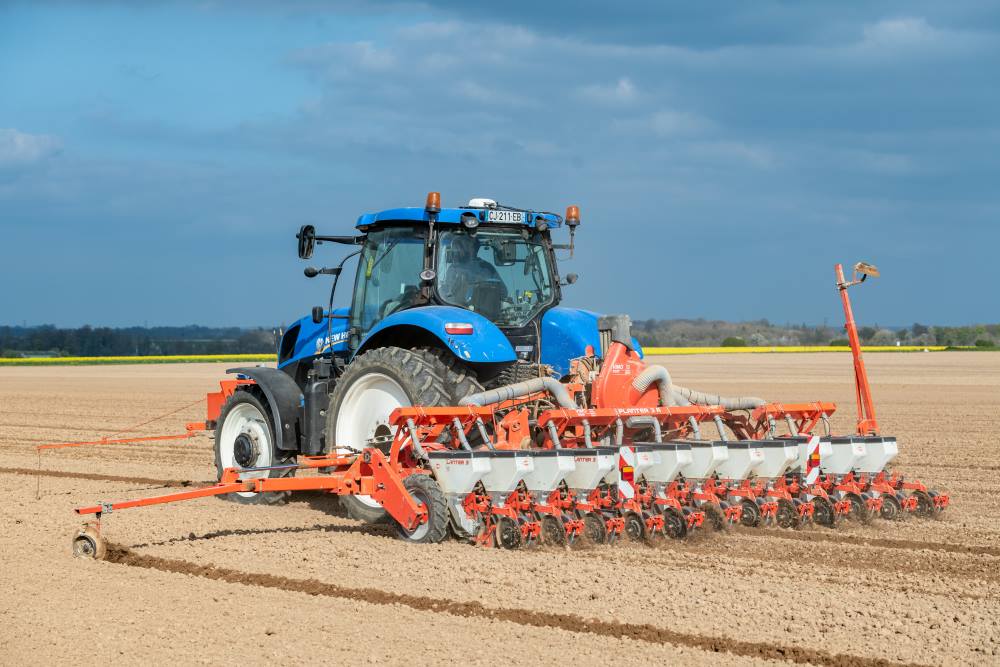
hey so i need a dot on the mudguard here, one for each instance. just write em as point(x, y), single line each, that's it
point(566, 333)
point(285, 400)
point(486, 343)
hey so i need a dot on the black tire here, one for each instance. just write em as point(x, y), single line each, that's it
point(751, 513)
point(925, 505)
point(714, 515)
point(460, 379)
point(823, 512)
point(859, 508)
point(594, 528)
point(553, 532)
point(635, 527)
point(426, 492)
point(508, 533)
point(892, 509)
point(674, 523)
point(277, 457)
point(787, 515)
point(421, 376)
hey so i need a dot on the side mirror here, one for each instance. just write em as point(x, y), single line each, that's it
point(317, 314)
point(504, 253)
point(307, 241)
point(570, 278)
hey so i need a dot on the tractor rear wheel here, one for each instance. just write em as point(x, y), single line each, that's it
point(373, 385)
point(244, 438)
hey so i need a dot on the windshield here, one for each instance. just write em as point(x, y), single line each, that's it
point(496, 273)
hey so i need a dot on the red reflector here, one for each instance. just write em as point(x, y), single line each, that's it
point(458, 328)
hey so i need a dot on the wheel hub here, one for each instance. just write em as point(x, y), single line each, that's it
point(245, 450)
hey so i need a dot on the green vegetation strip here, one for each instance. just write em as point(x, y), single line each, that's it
point(93, 361)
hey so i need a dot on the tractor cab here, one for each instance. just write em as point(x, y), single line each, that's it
point(497, 262)
point(475, 280)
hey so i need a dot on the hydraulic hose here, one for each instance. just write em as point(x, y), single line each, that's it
point(727, 402)
point(661, 377)
point(672, 394)
point(519, 389)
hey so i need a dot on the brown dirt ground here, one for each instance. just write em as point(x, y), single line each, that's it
point(210, 581)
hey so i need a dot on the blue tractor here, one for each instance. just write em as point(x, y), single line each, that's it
point(446, 302)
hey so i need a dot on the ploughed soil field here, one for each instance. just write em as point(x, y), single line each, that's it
point(213, 581)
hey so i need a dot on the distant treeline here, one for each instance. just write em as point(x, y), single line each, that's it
point(710, 333)
point(90, 341)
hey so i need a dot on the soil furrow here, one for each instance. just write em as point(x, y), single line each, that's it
point(885, 543)
point(570, 622)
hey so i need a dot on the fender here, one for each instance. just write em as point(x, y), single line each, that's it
point(486, 343)
point(285, 400)
point(566, 333)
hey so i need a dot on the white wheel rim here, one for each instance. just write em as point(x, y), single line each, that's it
point(367, 405)
point(245, 419)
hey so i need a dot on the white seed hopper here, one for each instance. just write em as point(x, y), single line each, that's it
point(591, 466)
point(744, 457)
point(457, 472)
point(551, 466)
point(706, 455)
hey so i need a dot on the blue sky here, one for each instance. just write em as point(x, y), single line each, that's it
point(155, 161)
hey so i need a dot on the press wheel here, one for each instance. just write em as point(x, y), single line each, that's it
point(88, 543)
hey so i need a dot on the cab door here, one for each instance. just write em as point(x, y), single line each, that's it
point(388, 278)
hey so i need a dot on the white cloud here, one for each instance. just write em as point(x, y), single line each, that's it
point(21, 148)
point(666, 123)
point(734, 151)
point(913, 36)
point(621, 92)
point(900, 32)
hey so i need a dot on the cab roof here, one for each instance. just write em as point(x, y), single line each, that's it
point(529, 219)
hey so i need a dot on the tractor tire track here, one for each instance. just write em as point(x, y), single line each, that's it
point(570, 622)
point(98, 477)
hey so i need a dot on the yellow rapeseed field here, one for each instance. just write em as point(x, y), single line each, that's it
point(653, 351)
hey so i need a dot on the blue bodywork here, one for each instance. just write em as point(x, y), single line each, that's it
point(451, 216)
point(565, 333)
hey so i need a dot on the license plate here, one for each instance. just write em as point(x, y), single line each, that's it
point(516, 217)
